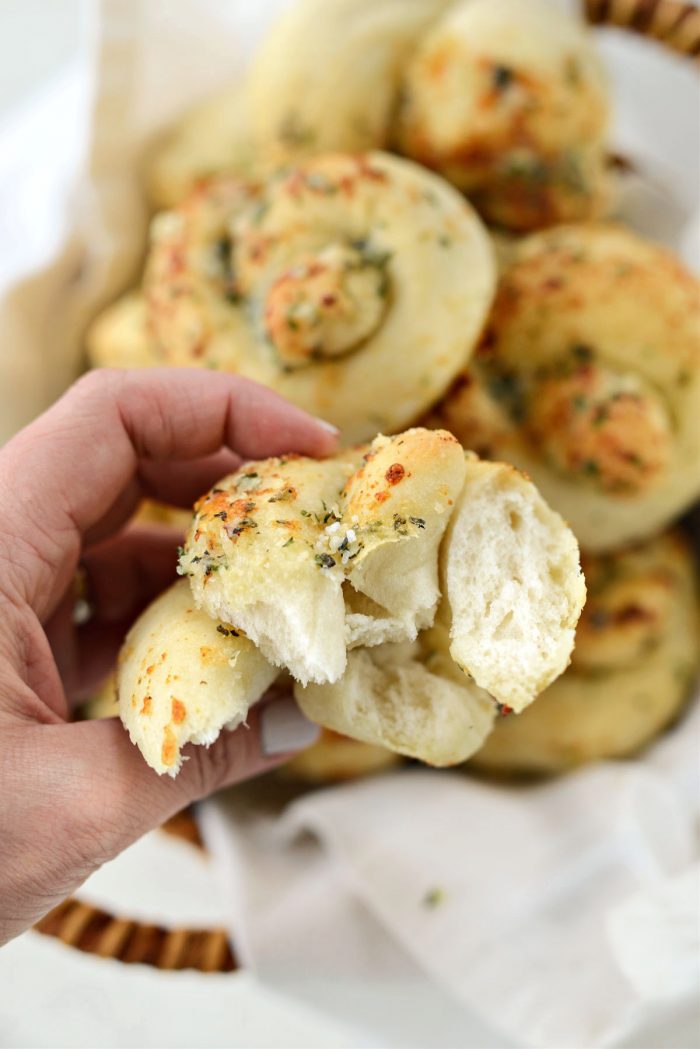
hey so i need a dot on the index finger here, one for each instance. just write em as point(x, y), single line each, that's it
point(63, 472)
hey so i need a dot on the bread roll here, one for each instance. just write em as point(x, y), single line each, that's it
point(334, 759)
point(505, 98)
point(636, 656)
point(327, 76)
point(120, 336)
point(315, 282)
point(588, 378)
point(213, 137)
point(275, 547)
point(182, 677)
point(335, 570)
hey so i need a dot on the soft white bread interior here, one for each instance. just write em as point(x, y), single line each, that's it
point(513, 585)
point(635, 663)
point(400, 502)
point(183, 676)
point(252, 560)
point(403, 697)
point(279, 547)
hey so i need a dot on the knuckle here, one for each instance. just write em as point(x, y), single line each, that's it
point(226, 761)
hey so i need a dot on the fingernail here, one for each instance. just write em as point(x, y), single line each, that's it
point(328, 427)
point(283, 727)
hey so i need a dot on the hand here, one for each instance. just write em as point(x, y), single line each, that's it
point(74, 795)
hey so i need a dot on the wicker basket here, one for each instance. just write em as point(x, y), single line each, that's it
point(676, 25)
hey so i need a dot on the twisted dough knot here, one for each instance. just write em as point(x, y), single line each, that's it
point(519, 126)
point(588, 378)
point(326, 305)
point(507, 100)
point(626, 613)
point(313, 281)
point(602, 426)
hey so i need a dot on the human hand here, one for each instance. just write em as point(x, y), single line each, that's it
point(74, 795)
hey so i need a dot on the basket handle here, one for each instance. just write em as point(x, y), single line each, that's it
point(673, 23)
point(95, 931)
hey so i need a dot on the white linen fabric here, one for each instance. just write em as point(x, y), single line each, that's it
point(561, 914)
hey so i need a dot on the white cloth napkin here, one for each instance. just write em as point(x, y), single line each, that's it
point(563, 914)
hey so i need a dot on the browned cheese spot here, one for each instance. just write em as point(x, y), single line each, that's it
point(395, 473)
point(169, 748)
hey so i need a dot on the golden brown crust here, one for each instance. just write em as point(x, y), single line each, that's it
point(516, 119)
point(318, 278)
point(337, 759)
point(588, 378)
point(182, 677)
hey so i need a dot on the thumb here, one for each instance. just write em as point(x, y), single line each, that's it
point(118, 797)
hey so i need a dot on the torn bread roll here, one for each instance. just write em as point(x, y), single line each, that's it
point(311, 557)
point(636, 657)
point(182, 677)
point(406, 585)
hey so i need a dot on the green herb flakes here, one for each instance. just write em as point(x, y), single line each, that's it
point(433, 898)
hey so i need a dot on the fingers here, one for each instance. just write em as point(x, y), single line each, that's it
point(182, 482)
point(71, 467)
point(178, 483)
point(123, 574)
point(86, 793)
point(116, 797)
point(127, 570)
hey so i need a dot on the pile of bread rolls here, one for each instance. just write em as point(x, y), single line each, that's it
point(403, 221)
